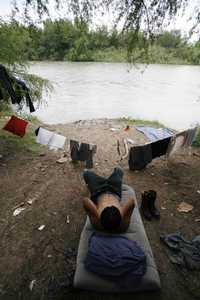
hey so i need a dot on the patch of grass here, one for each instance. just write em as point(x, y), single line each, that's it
point(28, 117)
point(11, 144)
point(132, 121)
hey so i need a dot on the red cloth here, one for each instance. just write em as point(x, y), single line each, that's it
point(16, 126)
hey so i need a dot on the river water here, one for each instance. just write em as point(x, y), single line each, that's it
point(167, 93)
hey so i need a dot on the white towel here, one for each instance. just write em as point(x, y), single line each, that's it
point(44, 136)
point(53, 140)
point(57, 141)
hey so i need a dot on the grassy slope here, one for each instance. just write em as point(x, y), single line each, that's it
point(10, 143)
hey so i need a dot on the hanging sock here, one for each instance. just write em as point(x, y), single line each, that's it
point(16, 126)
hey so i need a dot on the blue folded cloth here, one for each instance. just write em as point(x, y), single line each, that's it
point(116, 258)
point(155, 134)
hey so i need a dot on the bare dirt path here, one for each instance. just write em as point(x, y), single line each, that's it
point(27, 254)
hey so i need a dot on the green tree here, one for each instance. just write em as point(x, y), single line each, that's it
point(196, 53)
point(81, 46)
point(15, 40)
point(57, 38)
point(132, 14)
point(170, 39)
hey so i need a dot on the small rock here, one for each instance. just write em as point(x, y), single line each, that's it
point(67, 220)
point(1, 156)
point(114, 129)
point(18, 211)
point(31, 201)
point(198, 191)
point(62, 160)
point(41, 227)
point(32, 283)
point(42, 154)
point(185, 207)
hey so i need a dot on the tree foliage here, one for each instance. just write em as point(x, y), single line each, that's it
point(133, 14)
point(15, 41)
point(74, 41)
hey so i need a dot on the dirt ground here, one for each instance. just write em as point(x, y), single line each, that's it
point(27, 254)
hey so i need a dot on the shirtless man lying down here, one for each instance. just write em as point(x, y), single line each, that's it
point(104, 208)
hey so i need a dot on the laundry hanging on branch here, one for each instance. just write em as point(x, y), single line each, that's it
point(14, 88)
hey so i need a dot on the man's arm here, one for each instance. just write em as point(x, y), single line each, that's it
point(127, 210)
point(92, 212)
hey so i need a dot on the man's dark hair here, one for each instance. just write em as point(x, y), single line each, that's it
point(110, 218)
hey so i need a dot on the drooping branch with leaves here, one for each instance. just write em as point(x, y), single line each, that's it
point(13, 56)
point(148, 16)
point(132, 14)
